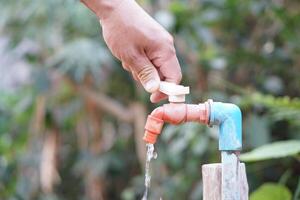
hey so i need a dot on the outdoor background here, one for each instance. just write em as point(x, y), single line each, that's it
point(71, 119)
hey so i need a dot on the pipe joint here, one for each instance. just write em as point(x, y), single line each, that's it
point(229, 119)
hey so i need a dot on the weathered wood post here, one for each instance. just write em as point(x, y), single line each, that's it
point(212, 181)
point(226, 180)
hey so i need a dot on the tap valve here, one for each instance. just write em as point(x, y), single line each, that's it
point(175, 92)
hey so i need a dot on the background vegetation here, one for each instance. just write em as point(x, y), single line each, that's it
point(71, 119)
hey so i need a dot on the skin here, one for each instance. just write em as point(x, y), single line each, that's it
point(143, 46)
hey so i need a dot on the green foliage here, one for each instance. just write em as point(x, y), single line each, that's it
point(276, 102)
point(274, 150)
point(81, 57)
point(271, 191)
point(257, 130)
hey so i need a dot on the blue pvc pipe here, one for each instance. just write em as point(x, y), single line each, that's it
point(229, 119)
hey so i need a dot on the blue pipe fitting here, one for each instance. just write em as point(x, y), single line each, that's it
point(229, 119)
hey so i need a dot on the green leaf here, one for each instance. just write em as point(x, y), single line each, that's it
point(273, 150)
point(271, 191)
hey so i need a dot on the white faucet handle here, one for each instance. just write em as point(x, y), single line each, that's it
point(175, 92)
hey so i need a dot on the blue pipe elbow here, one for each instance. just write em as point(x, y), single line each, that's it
point(229, 119)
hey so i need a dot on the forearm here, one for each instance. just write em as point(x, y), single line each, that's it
point(102, 8)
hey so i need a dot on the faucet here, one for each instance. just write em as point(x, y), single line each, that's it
point(225, 115)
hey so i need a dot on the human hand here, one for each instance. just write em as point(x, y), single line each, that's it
point(143, 46)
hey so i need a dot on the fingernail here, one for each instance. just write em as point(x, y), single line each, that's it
point(151, 86)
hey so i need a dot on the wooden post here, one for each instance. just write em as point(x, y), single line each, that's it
point(212, 181)
point(230, 176)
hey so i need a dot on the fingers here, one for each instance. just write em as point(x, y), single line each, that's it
point(157, 97)
point(171, 70)
point(149, 78)
point(127, 68)
point(135, 77)
point(143, 70)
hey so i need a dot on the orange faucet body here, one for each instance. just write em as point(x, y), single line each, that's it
point(174, 113)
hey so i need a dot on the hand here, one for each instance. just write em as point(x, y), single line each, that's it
point(143, 46)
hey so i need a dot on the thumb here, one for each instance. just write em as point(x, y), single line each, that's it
point(147, 75)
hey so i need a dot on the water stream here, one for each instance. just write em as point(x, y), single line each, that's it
point(151, 154)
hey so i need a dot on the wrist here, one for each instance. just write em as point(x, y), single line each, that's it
point(102, 8)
